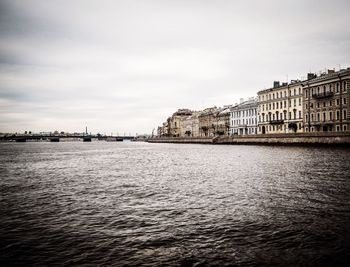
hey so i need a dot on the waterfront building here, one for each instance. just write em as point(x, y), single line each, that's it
point(222, 121)
point(206, 122)
point(243, 118)
point(192, 124)
point(177, 123)
point(163, 130)
point(214, 121)
point(326, 102)
point(280, 108)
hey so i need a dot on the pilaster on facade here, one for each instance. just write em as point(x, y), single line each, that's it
point(243, 119)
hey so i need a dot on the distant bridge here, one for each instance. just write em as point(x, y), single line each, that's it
point(56, 138)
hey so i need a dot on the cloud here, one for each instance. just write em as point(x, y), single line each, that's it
point(126, 66)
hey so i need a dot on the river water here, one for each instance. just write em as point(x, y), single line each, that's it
point(140, 204)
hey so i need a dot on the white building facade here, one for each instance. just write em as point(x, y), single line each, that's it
point(243, 119)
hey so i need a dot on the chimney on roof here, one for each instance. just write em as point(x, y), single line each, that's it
point(276, 84)
point(331, 71)
point(284, 84)
point(311, 76)
point(241, 100)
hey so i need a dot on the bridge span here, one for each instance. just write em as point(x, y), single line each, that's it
point(57, 138)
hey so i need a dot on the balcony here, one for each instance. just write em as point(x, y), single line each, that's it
point(323, 95)
point(276, 122)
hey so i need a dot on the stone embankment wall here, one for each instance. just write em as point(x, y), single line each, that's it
point(183, 140)
point(283, 139)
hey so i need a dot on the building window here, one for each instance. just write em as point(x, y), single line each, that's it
point(337, 88)
point(344, 101)
point(344, 114)
point(324, 116)
point(299, 114)
point(344, 86)
point(318, 116)
point(330, 103)
point(337, 128)
point(330, 115)
point(337, 101)
point(338, 115)
point(345, 128)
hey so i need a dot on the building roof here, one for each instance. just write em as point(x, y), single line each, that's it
point(251, 103)
point(325, 76)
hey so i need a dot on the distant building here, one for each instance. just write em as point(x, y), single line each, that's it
point(222, 122)
point(206, 122)
point(326, 102)
point(191, 125)
point(177, 123)
point(243, 119)
point(280, 109)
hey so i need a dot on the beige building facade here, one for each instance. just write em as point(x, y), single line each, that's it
point(280, 109)
point(192, 125)
point(206, 122)
point(176, 123)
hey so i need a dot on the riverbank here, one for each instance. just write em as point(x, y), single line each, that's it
point(325, 138)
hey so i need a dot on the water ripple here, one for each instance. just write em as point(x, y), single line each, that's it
point(139, 204)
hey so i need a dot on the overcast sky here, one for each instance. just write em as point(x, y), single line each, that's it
point(124, 66)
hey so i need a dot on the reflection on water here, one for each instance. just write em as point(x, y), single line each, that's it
point(139, 204)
